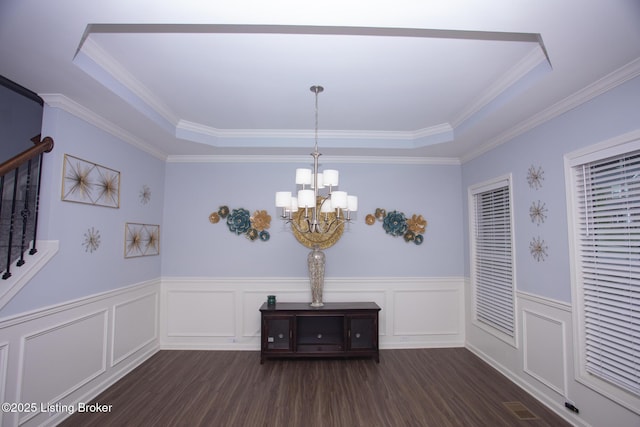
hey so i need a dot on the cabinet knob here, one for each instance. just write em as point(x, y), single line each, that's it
point(319, 336)
point(357, 334)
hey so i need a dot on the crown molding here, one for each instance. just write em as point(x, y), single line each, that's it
point(516, 74)
point(57, 100)
point(605, 84)
point(620, 76)
point(77, 110)
point(201, 129)
point(392, 160)
point(100, 57)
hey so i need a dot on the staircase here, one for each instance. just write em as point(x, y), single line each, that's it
point(20, 189)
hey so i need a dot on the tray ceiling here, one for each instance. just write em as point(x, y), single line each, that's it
point(189, 80)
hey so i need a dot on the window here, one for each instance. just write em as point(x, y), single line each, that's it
point(604, 203)
point(492, 272)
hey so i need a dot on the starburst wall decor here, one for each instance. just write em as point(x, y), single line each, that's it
point(141, 240)
point(90, 183)
point(538, 249)
point(535, 176)
point(145, 194)
point(538, 212)
point(91, 240)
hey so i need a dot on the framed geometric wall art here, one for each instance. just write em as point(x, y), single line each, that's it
point(90, 183)
point(141, 240)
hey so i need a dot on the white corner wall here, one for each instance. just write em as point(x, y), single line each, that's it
point(56, 357)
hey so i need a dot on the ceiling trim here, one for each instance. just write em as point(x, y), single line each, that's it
point(309, 133)
point(57, 100)
point(311, 30)
point(302, 138)
point(98, 64)
point(92, 59)
point(620, 76)
point(392, 160)
point(518, 73)
point(608, 82)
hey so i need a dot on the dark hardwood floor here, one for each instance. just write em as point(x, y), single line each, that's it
point(421, 387)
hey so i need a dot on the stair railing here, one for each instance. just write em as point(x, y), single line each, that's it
point(20, 198)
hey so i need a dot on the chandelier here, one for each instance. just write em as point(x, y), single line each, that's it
point(318, 212)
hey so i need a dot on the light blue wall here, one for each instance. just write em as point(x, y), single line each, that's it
point(613, 113)
point(193, 246)
point(73, 272)
point(183, 196)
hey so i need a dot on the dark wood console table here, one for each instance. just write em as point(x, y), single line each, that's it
point(338, 329)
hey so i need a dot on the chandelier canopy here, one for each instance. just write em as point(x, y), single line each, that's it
point(318, 212)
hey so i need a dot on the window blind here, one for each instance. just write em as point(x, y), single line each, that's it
point(608, 209)
point(493, 260)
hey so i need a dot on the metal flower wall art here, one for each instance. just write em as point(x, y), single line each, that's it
point(86, 182)
point(241, 222)
point(397, 224)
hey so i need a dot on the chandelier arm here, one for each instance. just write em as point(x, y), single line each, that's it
point(322, 226)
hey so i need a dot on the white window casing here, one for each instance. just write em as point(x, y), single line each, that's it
point(603, 208)
point(492, 258)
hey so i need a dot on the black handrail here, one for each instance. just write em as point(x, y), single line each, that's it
point(29, 207)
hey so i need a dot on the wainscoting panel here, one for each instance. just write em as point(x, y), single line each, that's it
point(135, 325)
point(62, 358)
point(427, 312)
point(200, 313)
point(4, 364)
point(543, 349)
point(542, 363)
point(223, 313)
point(66, 354)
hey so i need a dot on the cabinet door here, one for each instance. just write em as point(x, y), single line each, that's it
point(277, 333)
point(363, 332)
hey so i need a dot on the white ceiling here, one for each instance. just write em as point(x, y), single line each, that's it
point(445, 79)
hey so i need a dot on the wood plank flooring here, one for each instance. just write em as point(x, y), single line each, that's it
point(414, 387)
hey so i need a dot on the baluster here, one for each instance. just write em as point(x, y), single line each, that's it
point(25, 213)
point(1, 205)
point(7, 273)
point(37, 205)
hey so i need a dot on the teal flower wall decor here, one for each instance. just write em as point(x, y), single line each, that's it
point(397, 224)
point(241, 222)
